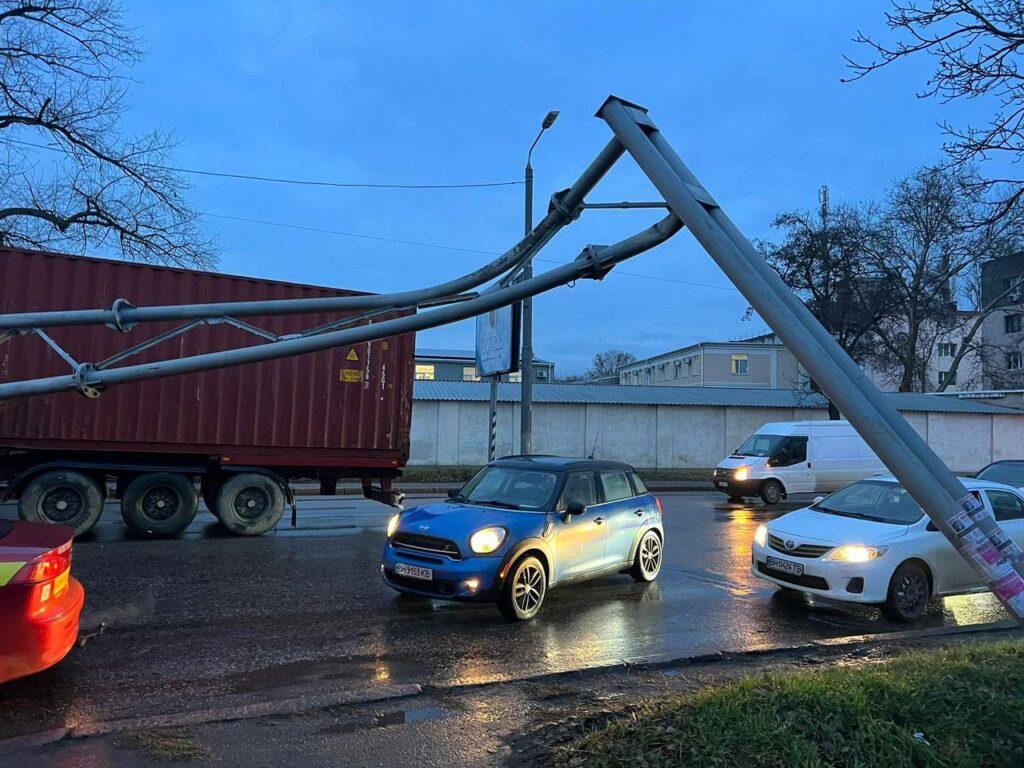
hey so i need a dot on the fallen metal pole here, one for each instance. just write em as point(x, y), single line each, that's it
point(594, 262)
point(961, 517)
point(565, 207)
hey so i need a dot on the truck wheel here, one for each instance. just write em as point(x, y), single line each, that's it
point(771, 492)
point(62, 498)
point(163, 503)
point(250, 504)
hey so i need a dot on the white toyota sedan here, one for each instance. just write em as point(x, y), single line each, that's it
point(871, 543)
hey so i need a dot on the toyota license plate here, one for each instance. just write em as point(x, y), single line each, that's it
point(414, 572)
point(786, 566)
point(721, 483)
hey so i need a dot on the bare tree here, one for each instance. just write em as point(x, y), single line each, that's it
point(68, 178)
point(923, 245)
point(823, 258)
point(608, 363)
point(976, 47)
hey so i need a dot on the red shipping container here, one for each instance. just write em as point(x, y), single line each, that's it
point(347, 407)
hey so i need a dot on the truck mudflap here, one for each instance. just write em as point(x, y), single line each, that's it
point(384, 493)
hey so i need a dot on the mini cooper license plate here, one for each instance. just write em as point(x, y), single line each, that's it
point(415, 572)
point(786, 566)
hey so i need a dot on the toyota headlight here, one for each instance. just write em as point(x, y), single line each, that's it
point(854, 553)
point(761, 535)
point(487, 540)
point(392, 525)
point(741, 473)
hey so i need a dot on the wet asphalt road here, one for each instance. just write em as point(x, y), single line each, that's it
point(207, 620)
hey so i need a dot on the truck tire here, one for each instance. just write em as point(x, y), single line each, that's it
point(250, 504)
point(62, 497)
point(163, 503)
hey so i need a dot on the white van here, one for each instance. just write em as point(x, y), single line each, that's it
point(787, 457)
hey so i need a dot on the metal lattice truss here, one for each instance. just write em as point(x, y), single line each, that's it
point(961, 517)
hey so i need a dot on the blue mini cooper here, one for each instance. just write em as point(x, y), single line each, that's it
point(524, 524)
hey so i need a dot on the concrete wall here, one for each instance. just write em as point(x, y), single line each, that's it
point(448, 433)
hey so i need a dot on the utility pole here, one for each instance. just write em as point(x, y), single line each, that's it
point(526, 359)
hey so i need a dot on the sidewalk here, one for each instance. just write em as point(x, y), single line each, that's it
point(310, 488)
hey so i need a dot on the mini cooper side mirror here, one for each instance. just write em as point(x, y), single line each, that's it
point(818, 500)
point(453, 492)
point(575, 508)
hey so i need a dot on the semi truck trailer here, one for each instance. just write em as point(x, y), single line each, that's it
point(233, 437)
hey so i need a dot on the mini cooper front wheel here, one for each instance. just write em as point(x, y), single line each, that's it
point(524, 590)
point(647, 562)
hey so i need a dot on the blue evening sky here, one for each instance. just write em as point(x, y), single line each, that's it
point(445, 92)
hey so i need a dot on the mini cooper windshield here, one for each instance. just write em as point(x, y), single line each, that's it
point(510, 488)
point(873, 500)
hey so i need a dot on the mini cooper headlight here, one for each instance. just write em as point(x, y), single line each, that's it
point(761, 535)
point(486, 540)
point(854, 553)
point(741, 473)
point(392, 525)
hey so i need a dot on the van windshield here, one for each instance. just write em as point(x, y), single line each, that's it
point(760, 445)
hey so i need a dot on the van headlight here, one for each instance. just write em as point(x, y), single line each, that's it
point(741, 473)
point(854, 553)
point(486, 540)
point(761, 535)
point(392, 525)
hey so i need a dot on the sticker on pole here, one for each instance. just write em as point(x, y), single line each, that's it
point(352, 355)
point(350, 375)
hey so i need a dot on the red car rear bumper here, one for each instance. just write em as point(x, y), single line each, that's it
point(31, 644)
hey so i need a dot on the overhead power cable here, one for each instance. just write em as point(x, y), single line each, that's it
point(378, 238)
point(300, 182)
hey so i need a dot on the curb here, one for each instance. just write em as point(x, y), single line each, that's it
point(713, 657)
point(222, 714)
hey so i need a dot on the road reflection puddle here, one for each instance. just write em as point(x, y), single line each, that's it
point(385, 719)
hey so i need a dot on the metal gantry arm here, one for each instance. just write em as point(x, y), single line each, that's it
point(594, 263)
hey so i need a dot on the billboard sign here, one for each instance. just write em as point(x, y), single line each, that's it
point(497, 341)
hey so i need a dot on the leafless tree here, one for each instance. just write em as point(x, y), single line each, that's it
point(924, 243)
point(69, 179)
point(976, 48)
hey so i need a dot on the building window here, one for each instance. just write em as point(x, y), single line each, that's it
point(1012, 282)
point(661, 372)
point(739, 365)
point(1015, 361)
point(947, 349)
point(676, 368)
point(424, 373)
point(689, 367)
point(945, 377)
point(469, 373)
point(1013, 323)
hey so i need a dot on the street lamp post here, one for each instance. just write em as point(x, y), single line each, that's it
point(526, 359)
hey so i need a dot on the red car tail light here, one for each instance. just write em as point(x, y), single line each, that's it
point(47, 578)
point(658, 501)
point(46, 567)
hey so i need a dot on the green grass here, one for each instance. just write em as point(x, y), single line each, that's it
point(968, 702)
